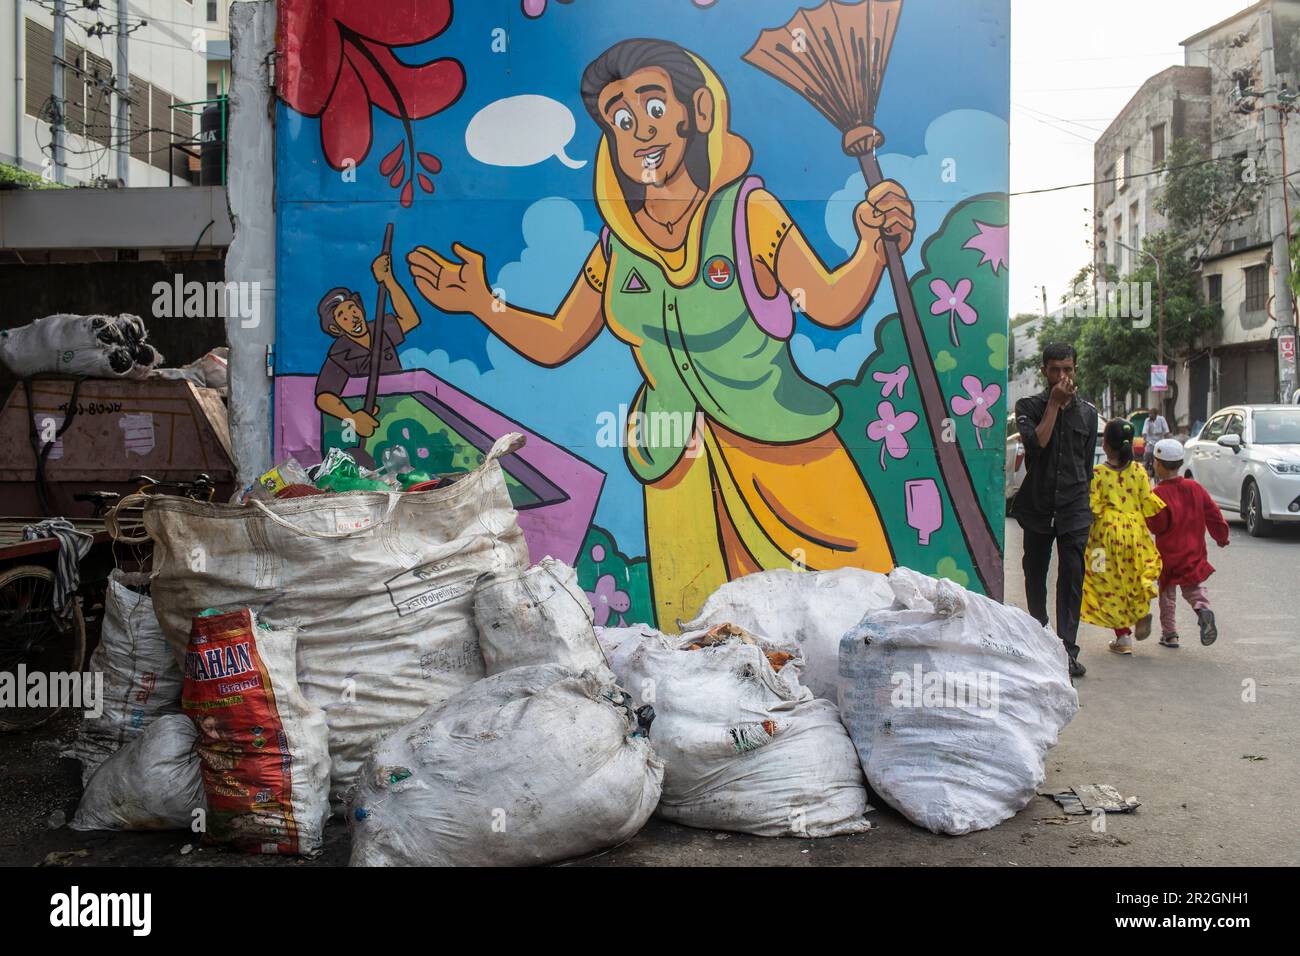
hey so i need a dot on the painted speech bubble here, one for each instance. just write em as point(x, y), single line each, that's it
point(522, 131)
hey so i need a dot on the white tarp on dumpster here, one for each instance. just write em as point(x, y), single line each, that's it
point(93, 346)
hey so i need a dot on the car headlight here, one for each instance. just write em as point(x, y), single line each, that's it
point(1284, 467)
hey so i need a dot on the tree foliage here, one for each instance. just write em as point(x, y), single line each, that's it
point(1201, 194)
point(1198, 199)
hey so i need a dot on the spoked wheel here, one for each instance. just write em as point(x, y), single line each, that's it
point(31, 634)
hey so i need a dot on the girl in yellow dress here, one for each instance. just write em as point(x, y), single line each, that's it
point(1121, 565)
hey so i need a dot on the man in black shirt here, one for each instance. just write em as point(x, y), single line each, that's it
point(1059, 432)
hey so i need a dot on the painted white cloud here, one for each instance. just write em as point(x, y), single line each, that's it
point(956, 164)
point(522, 131)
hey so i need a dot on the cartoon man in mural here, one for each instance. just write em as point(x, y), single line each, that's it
point(695, 270)
point(343, 318)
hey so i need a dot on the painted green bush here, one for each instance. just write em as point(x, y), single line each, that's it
point(961, 297)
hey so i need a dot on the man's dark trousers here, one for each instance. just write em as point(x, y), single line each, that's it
point(1070, 546)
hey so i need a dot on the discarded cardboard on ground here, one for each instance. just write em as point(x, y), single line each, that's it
point(1090, 797)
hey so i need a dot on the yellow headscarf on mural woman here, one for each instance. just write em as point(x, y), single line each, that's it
point(736, 449)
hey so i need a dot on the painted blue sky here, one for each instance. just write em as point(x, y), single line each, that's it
point(945, 97)
point(949, 55)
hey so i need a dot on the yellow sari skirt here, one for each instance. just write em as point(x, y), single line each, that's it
point(732, 506)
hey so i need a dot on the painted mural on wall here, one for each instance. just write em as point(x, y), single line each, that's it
point(737, 269)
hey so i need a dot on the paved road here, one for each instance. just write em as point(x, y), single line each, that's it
point(1170, 727)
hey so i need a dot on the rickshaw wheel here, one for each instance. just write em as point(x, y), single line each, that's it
point(31, 634)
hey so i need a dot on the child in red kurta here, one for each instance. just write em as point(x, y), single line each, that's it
point(1180, 537)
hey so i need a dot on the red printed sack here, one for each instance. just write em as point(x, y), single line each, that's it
point(263, 749)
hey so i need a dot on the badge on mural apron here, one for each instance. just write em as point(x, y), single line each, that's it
point(719, 272)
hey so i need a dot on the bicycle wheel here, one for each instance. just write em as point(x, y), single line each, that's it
point(32, 635)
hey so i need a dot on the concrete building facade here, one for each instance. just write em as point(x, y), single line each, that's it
point(166, 66)
point(1213, 98)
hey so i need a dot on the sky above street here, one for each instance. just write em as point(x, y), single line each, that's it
point(1074, 65)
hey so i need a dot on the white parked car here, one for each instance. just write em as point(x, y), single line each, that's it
point(1248, 459)
point(1015, 468)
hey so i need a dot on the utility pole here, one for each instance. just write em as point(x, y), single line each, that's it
point(1279, 227)
point(122, 89)
point(59, 125)
point(1044, 288)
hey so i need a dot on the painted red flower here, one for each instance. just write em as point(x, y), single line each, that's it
point(336, 62)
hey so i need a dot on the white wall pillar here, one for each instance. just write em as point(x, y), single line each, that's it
point(250, 186)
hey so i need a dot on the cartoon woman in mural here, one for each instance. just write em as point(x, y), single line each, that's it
point(695, 270)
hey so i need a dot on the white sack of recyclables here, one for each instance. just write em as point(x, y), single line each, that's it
point(141, 678)
point(811, 609)
point(399, 637)
point(152, 783)
point(745, 747)
point(953, 701)
point(529, 766)
point(537, 616)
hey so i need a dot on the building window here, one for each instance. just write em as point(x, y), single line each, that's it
point(1243, 168)
point(1108, 186)
point(212, 11)
point(1256, 288)
point(1157, 144)
point(1126, 168)
point(1214, 290)
point(212, 91)
point(1117, 260)
point(1134, 227)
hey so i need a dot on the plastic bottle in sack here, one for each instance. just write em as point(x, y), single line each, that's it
point(340, 472)
point(269, 484)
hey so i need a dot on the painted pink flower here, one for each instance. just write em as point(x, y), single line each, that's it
point(336, 62)
point(890, 429)
point(892, 381)
point(608, 600)
point(953, 301)
point(977, 401)
point(992, 243)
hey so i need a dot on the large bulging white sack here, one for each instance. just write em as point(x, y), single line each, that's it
point(745, 747)
point(141, 679)
point(530, 766)
point(953, 701)
point(537, 616)
point(380, 588)
point(812, 609)
point(152, 783)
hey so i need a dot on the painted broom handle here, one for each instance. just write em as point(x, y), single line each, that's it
point(952, 464)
